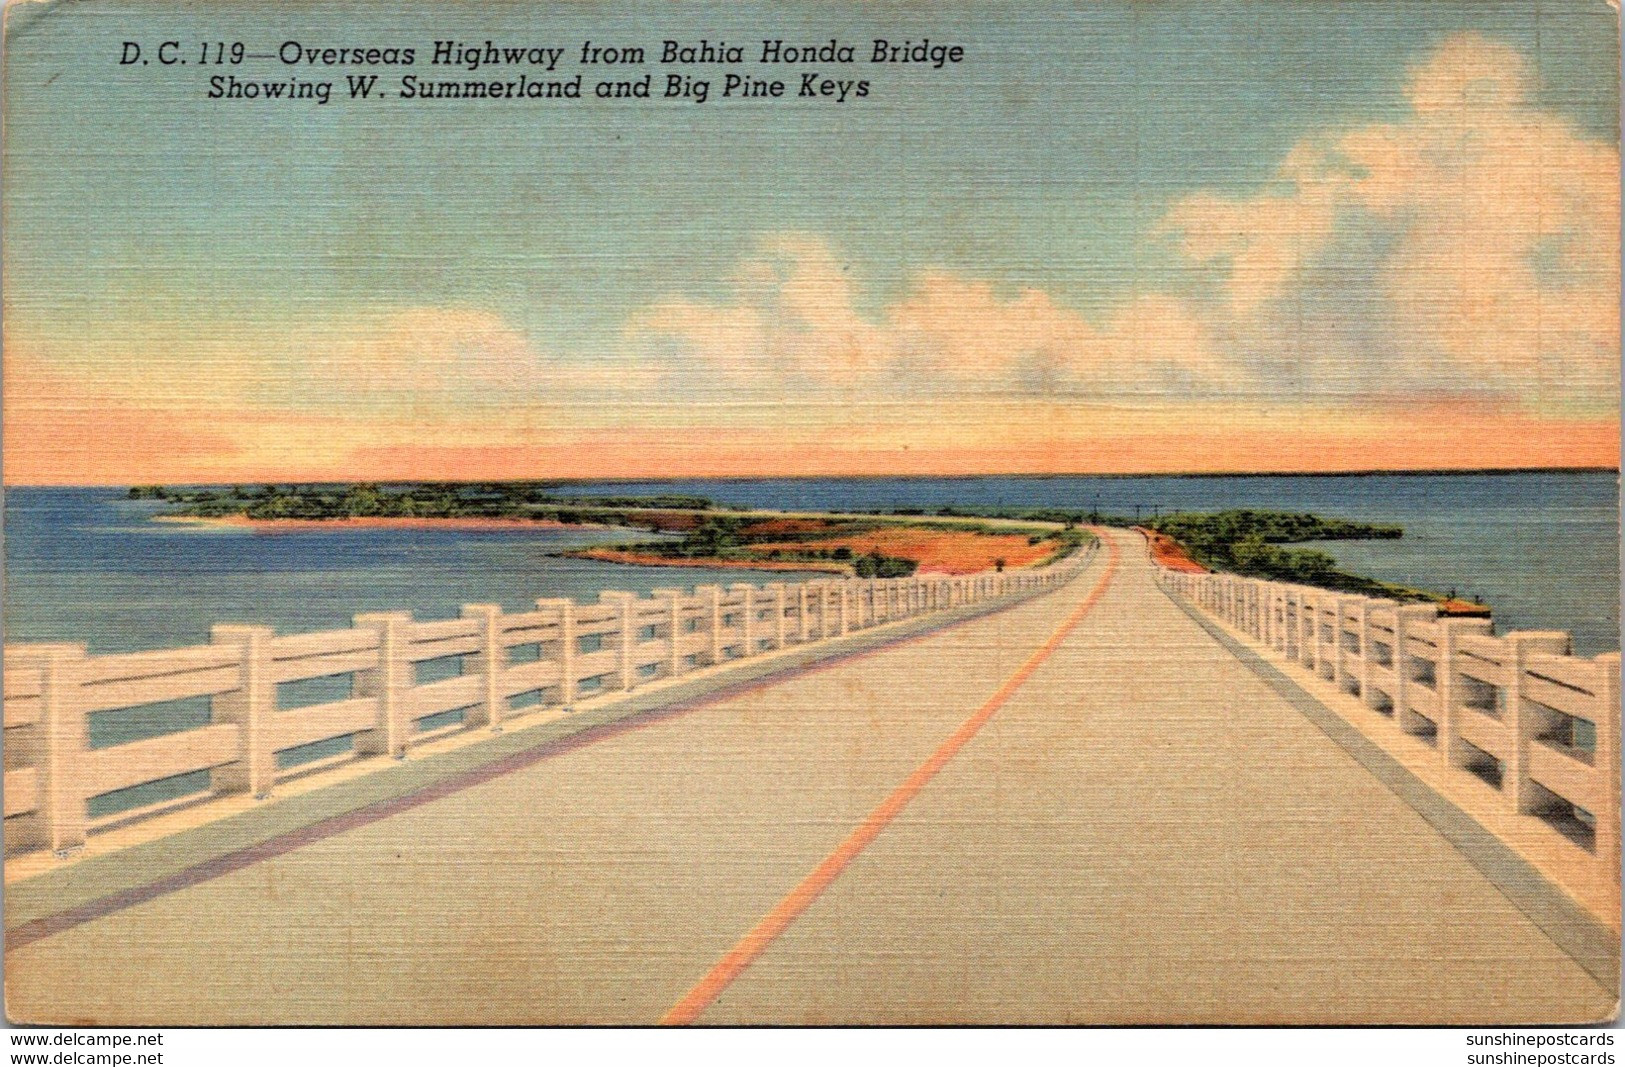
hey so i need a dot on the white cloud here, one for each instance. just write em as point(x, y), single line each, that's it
point(1469, 247)
point(794, 315)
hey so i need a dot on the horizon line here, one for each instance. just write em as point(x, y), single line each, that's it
point(1040, 476)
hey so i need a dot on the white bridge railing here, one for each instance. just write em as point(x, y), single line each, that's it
point(501, 666)
point(1524, 736)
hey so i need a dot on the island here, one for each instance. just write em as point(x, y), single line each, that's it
point(693, 531)
point(1246, 542)
point(690, 531)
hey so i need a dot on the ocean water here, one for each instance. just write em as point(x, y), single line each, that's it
point(87, 565)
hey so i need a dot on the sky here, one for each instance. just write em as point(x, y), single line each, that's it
point(1120, 237)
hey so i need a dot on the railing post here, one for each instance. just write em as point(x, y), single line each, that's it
point(1607, 758)
point(1450, 634)
point(389, 682)
point(846, 616)
point(1403, 614)
point(747, 593)
point(488, 664)
point(1285, 626)
point(1309, 621)
point(1342, 607)
point(778, 613)
point(627, 616)
point(61, 753)
point(250, 708)
point(674, 653)
point(1362, 618)
point(715, 593)
point(566, 609)
point(1308, 631)
point(1520, 726)
point(1282, 633)
point(629, 639)
point(804, 620)
point(1317, 630)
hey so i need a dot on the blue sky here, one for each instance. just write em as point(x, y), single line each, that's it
point(1045, 161)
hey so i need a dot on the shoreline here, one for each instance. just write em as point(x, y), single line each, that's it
point(1170, 553)
point(643, 559)
point(269, 526)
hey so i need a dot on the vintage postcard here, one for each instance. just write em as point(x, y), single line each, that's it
point(625, 512)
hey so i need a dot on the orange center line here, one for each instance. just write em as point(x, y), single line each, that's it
point(799, 899)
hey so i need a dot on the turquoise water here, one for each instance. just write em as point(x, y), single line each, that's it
point(87, 565)
point(84, 564)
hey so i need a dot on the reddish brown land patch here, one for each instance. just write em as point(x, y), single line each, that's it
point(1166, 552)
point(937, 551)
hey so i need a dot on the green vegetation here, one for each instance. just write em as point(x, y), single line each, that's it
point(875, 565)
point(1067, 541)
point(708, 531)
point(733, 538)
point(1199, 532)
point(1244, 542)
point(411, 500)
point(1066, 517)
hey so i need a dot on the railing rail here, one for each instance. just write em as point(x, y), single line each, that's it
point(496, 666)
point(1526, 735)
